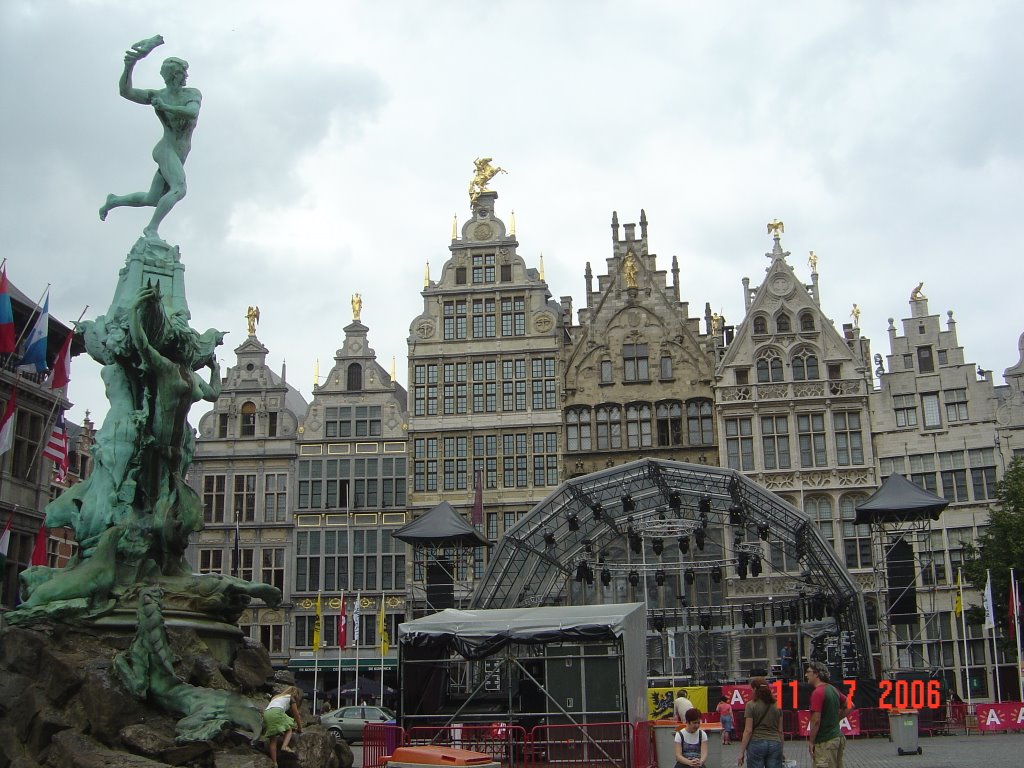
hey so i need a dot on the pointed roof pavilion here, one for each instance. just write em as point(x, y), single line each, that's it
point(898, 501)
point(441, 526)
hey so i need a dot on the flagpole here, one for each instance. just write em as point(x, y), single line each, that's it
point(317, 632)
point(963, 634)
point(341, 619)
point(39, 449)
point(382, 631)
point(355, 632)
point(1016, 633)
point(990, 623)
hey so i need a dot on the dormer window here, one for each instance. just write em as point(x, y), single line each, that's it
point(354, 380)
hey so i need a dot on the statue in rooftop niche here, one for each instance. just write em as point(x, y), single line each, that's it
point(357, 306)
point(252, 319)
point(177, 108)
point(629, 270)
point(776, 227)
point(484, 172)
point(916, 294)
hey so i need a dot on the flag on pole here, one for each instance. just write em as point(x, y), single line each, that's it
point(7, 423)
point(478, 499)
point(236, 561)
point(958, 602)
point(382, 630)
point(355, 620)
point(317, 623)
point(5, 543)
point(342, 624)
point(990, 614)
point(56, 448)
point(1014, 606)
point(62, 365)
point(39, 555)
point(35, 344)
point(7, 334)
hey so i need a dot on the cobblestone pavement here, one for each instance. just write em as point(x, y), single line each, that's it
point(999, 750)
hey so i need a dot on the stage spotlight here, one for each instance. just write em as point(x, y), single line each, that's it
point(598, 510)
point(690, 576)
point(741, 566)
point(659, 577)
point(684, 544)
point(748, 617)
point(549, 540)
point(634, 578)
point(581, 571)
point(699, 537)
point(735, 514)
point(588, 574)
point(627, 504)
point(659, 623)
point(675, 500)
point(705, 621)
point(606, 577)
point(794, 613)
point(703, 517)
point(574, 522)
point(661, 513)
point(818, 607)
point(716, 575)
point(657, 545)
point(704, 505)
point(737, 538)
point(755, 566)
point(635, 542)
point(762, 531)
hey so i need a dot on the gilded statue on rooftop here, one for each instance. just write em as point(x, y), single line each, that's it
point(776, 227)
point(629, 270)
point(252, 319)
point(484, 172)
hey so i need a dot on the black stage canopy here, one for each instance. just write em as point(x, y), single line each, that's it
point(899, 501)
point(441, 527)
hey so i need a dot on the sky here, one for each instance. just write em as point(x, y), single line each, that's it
point(336, 142)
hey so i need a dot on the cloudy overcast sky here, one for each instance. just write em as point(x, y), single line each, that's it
point(336, 142)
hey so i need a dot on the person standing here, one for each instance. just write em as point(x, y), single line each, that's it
point(278, 723)
point(761, 746)
point(691, 741)
point(787, 660)
point(724, 710)
point(825, 741)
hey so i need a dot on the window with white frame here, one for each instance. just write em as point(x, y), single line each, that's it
point(905, 407)
point(739, 444)
point(810, 429)
point(956, 404)
point(856, 538)
point(983, 472)
point(849, 441)
point(930, 409)
point(775, 442)
point(577, 429)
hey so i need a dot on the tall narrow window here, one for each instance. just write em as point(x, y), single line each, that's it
point(699, 429)
point(638, 425)
point(930, 409)
point(248, 419)
point(805, 367)
point(925, 361)
point(739, 444)
point(769, 368)
point(577, 432)
point(354, 382)
point(905, 408)
point(634, 358)
point(782, 323)
point(609, 428)
point(849, 442)
point(666, 367)
point(810, 429)
point(956, 404)
point(670, 423)
point(775, 441)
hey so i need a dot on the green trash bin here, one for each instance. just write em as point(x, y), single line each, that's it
point(903, 731)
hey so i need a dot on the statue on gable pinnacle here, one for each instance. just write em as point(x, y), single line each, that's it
point(484, 172)
point(177, 107)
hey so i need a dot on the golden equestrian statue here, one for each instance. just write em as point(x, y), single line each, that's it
point(252, 319)
point(776, 227)
point(483, 174)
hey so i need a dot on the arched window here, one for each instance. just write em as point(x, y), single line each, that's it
point(782, 324)
point(760, 324)
point(248, 420)
point(609, 427)
point(806, 322)
point(805, 367)
point(638, 425)
point(354, 382)
point(577, 429)
point(698, 422)
point(670, 423)
point(769, 367)
point(819, 509)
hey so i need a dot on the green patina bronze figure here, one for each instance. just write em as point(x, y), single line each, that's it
point(134, 514)
point(177, 107)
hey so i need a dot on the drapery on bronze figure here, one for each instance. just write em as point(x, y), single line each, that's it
point(483, 174)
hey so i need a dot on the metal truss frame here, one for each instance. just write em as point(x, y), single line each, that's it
point(590, 515)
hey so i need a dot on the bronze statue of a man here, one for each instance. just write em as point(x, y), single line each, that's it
point(177, 107)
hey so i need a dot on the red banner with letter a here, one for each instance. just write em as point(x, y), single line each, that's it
point(1008, 716)
point(848, 726)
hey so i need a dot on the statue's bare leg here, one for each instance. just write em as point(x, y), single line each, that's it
point(135, 199)
point(172, 171)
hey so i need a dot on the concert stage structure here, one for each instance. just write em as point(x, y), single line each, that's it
point(714, 558)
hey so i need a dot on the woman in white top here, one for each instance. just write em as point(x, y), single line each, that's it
point(277, 721)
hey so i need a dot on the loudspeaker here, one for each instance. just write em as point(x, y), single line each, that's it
point(440, 586)
point(902, 592)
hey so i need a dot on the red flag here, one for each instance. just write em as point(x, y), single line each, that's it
point(7, 335)
point(56, 448)
point(39, 550)
point(342, 624)
point(62, 365)
point(478, 499)
point(8, 422)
